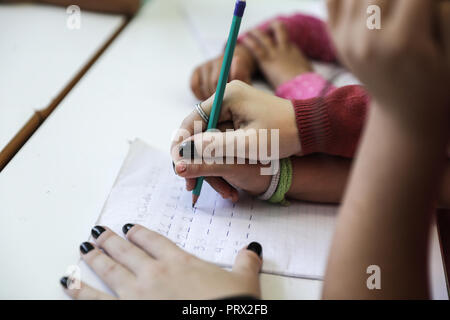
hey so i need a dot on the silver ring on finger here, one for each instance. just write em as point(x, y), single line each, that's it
point(202, 113)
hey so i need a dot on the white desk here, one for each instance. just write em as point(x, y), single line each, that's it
point(40, 55)
point(54, 189)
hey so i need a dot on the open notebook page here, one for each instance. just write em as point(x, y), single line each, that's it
point(295, 239)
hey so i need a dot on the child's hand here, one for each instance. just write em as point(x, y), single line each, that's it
point(205, 77)
point(150, 266)
point(248, 113)
point(278, 58)
point(224, 178)
point(402, 58)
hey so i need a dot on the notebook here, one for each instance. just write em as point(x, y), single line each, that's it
point(295, 239)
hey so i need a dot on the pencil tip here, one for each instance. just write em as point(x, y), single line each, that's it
point(194, 200)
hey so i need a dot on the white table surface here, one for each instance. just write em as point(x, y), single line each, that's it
point(53, 191)
point(40, 56)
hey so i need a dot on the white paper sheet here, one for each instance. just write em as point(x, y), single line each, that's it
point(295, 239)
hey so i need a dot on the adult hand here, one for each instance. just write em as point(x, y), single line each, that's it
point(247, 112)
point(410, 54)
point(149, 266)
point(206, 76)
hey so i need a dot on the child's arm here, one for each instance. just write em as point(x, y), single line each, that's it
point(310, 34)
point(386, 214)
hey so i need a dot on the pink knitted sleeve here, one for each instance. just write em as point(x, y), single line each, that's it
point(333, 123)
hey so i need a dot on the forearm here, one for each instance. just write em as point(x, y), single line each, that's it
point(319, 178)
point(322, 179)
point(385, 216)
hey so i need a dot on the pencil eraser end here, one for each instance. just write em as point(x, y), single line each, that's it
point(239, 8)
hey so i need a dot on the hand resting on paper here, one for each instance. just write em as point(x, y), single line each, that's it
point(149, 266)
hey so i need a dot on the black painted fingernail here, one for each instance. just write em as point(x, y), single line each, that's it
point(187, 150)
point(97, 231)
point(85, 247)
point(64, 282)
point(256, 248)
point(127, 228)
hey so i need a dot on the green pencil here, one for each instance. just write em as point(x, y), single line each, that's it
point(223, 79)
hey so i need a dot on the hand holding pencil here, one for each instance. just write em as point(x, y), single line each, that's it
point(223, 78)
